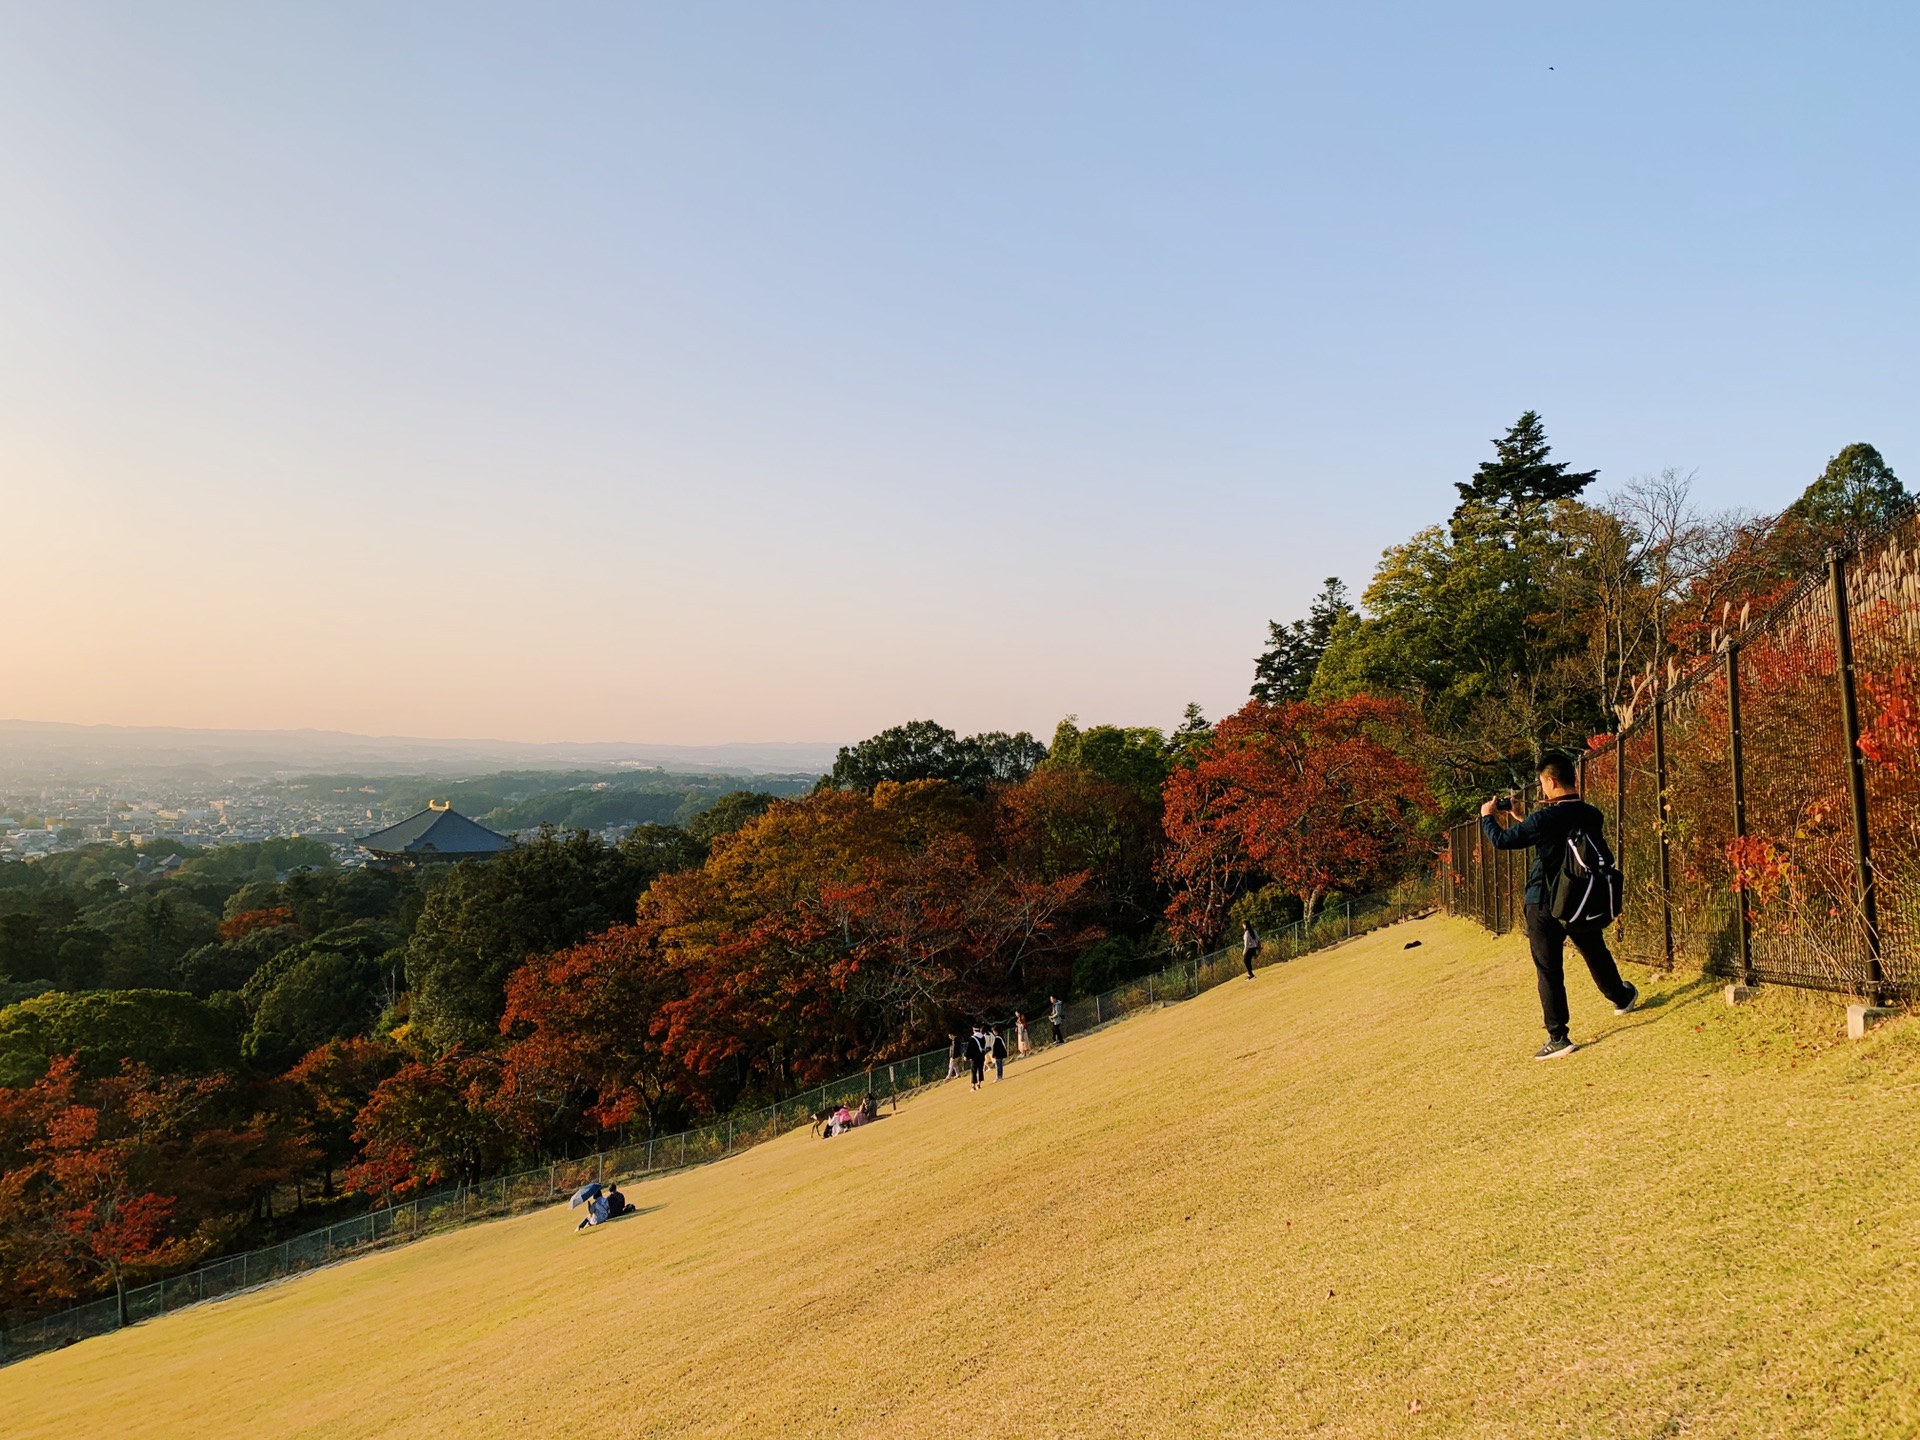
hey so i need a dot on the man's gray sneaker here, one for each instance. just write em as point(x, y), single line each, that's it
point(1633, 999)
point(1554, 1049)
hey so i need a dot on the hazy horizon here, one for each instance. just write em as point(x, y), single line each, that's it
point(721, 373)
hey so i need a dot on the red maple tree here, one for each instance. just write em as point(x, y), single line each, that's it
point(1308, 796)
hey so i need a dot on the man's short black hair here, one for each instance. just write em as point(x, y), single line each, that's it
point(1558, 765)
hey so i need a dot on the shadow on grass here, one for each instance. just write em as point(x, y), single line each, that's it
point(1689, 992)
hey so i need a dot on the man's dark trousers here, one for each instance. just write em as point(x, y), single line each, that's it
point(1547, 938)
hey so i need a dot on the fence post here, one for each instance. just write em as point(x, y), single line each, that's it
point(729, 1135)
point(1660, 819)
point(1096, 1009)
point(1620, 801)
point(1736, 765)
point(1856, 769)
point(1483, 892)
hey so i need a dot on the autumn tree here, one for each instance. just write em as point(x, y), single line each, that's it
point(336, 1081)
point(836, 930)
point(487, 918)
point(1068, 820)
point(90, 1179)
point(586, 1027)
point(432, 1122)
point(1306, 796)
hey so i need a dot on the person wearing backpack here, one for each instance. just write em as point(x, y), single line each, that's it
point(1573, 893)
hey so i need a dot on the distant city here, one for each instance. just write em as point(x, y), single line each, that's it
point(63, 787)
point(338, 810)
point(61, 818)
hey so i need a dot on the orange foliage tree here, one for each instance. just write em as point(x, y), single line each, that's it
point(104, 1180)
point(585, 1030)
point(1308, 796)
point(839, 929)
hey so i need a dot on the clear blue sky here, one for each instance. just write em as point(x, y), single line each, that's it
point(720, 372)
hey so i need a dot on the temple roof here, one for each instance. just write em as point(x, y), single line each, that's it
point(436, 831)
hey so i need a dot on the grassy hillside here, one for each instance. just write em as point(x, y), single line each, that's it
point(1340, 1200)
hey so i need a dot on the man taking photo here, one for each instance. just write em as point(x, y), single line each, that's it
point(1546, 831)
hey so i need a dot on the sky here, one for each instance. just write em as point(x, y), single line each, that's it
point(744, 372)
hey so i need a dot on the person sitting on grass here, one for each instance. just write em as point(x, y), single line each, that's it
point(596, 1212)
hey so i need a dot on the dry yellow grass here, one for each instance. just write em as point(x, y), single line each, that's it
point(1341, 1200)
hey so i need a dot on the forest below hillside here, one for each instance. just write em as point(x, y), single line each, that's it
point(205, 1047)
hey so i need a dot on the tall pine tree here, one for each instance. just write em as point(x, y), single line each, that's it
point(1520, 473)
point(1285, 668)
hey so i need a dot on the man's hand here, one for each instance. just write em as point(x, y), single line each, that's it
point(1490, 807)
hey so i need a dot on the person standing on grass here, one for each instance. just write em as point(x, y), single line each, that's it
point(1249, 946)
point(997, 1047)
point(1020, 1041)
point(953, 1056)
point(1058, 1016)
point(977, 1057)
point(1545, 831)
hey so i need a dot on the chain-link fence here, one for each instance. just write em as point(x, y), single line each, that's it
point(889, 1083)
point(1765, 803)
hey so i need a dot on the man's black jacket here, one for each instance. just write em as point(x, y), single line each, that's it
point(1545, 832)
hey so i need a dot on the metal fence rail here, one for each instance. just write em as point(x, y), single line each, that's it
point(507, 1194)
point(1765, 802)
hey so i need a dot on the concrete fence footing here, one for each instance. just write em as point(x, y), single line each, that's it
point(1738, 994)
point(1862, 1018)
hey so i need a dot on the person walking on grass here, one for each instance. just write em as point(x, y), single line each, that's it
point(997, 1047)
point(953, 1056)
point(1249, 946)
point(1058, 1016)
point(977, 1057)
point(1020, 1041)
point(1563, 825)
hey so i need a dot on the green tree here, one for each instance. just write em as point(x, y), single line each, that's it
point(728, 814)
point(1520, 475)
point(329, 988)
point(1855, 495)
point(171, 1032)
point(1131, 755)
point(924, 750)
point(1467, 624)
point(1284, 670)
point(487, 917)
point(1190, 736)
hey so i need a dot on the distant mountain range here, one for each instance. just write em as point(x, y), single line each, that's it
point(42, 746)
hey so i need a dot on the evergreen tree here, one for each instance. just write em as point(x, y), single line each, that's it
point(1520, 473)
point(1284, 670)
point(1190, 735)
point(1856, 494)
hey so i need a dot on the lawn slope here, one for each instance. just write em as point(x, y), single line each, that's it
point(1338, 1200)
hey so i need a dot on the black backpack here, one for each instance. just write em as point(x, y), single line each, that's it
point(1590, 888)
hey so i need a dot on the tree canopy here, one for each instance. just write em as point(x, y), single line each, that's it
point(1284, 670)
point(1520, 474)
point(924, 750)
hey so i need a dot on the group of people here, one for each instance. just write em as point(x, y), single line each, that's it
point(829, 1123)
point(603, 1204)
point(986, 1045)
